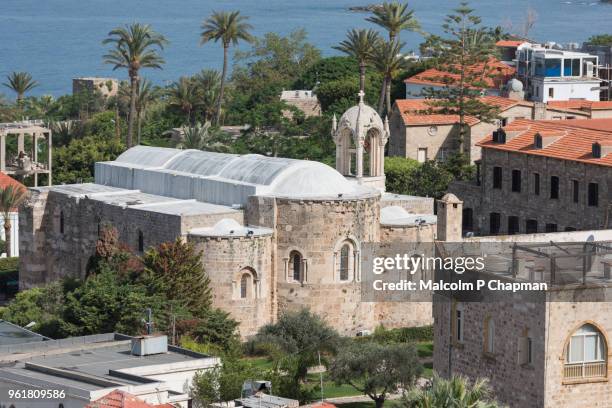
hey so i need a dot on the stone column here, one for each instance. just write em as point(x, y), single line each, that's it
point(49, 158)
point(3, 152)
point(35, 157)
point(19, 143)
point(359, 153)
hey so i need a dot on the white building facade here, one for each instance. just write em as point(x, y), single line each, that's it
point(551, 74)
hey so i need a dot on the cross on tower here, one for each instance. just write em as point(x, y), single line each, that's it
point(361, 95)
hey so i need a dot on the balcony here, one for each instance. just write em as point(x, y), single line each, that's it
point(585, 371)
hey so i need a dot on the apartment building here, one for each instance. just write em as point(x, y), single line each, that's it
point(541, 176)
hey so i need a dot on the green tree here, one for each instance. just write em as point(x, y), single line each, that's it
point(360, 45)
point(464, 53)
point(147, 95)
point(457, 392)
point(75, 162)
point(229, 28)
point(399, 173)
point(20, 83)
point(390, 63)
point(135, 46)
point(224, 382)
point(11, 198)
point(207, 83)
point(175, 270)
point(301, 336)
point(394, 17)
point(600, 39)
point(183, 95)
point(376, 369)
point(200, 137)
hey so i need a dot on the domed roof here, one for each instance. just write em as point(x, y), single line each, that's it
point(396, 215)
point(515, 85)
point(227, 226)
point(366, 114)
point(451, 198)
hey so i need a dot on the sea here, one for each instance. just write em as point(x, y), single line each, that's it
point(56, 40)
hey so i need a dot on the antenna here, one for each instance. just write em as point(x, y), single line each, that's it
point(149, 321)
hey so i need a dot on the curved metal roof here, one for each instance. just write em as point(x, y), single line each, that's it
point(223, 175)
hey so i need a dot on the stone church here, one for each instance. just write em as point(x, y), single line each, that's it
point(276, 234)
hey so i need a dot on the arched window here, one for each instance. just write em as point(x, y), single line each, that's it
point(489, 335)
point(244, 286)
point(586, 354)
point(140, 241)
point(344, 262)
point(296, 271)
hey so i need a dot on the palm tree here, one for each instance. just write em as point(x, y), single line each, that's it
point(147, 94)
point(183, 95)
point(394, 17)
point(10, 198)
point(229, 28)
point(20, 83)
point(389, 62)
point(135, 46)
point(457, 392)
point(196, 137)
point(207, 83)
point(360, 44)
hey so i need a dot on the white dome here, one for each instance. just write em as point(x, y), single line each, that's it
point(227, 226)
point(368, 117)
point(312, 179)
point(395, 215)
point(515, 85)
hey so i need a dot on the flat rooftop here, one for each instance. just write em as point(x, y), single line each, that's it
point(566, 259)
point(94, 362)
point(138, 200)
point(13, 334)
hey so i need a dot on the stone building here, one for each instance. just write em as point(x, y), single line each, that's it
point(541, 176)
point(107, 87)
point(276, 234)
point(548, 349)
point(306, 101)
point(420, 134)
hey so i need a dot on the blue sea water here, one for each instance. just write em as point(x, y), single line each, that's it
point(56, 40)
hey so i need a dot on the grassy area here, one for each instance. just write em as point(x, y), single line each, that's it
point(370, 404)
point(330, 389)
point(425, 349)
point(263, 363)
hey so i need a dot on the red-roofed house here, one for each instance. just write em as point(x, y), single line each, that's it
point(497, 75)
point(542, 176)
point(122, 399)
point(420, 134)
point(6, 181)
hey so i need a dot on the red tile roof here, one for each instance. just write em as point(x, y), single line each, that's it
point(122, 399)
point(575, 139)
point(498, 74)
point(509, 43)
point(6, 181)
point(580, 104)
point(415, 111)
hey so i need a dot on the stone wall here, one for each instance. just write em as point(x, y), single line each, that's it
point(50, 254)
point(412, 204)
point(515, 384)
point(225, 261)
point(317, 230)
point(527, 205)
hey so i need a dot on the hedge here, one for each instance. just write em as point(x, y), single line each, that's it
point(9, 276)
